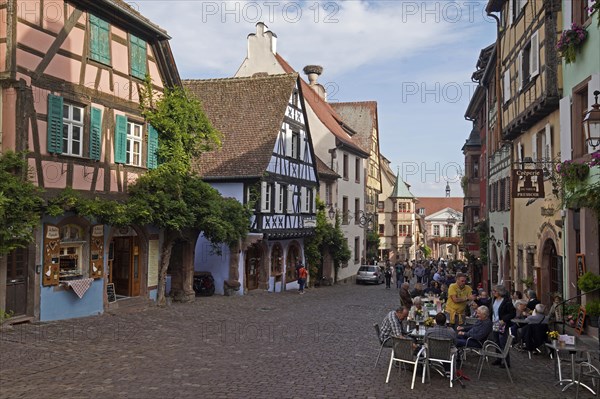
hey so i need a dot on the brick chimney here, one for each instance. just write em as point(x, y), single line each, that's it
point(313, 72)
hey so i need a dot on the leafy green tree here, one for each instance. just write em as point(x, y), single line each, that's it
point(20, 203)
point(372, 244)
point(328, 238)
point(171, 196)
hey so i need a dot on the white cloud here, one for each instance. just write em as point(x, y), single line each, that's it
point(342, 36)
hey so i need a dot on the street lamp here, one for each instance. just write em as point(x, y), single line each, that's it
point(591, 123)
point(332, 212)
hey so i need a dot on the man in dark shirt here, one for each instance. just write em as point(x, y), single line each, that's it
point(478, 331)
point(405, 298)
point(532, 300)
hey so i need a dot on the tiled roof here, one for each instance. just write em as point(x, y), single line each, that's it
point(361, 117)
point(436, 204)
point(325, 171)
point(325, 113)
point(249, 113)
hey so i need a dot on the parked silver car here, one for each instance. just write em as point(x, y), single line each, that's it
point(369, 274)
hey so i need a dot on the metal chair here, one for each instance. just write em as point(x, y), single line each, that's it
point(403, 352)
point(491, 349)
point(471, 346)
point(592, 373)
point(386, 343)
point(534, 336)
point(439, 350)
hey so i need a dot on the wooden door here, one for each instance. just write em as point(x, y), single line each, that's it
point(16, 282)
point(134, 284)
point(253, 257)
point(126, 266)
point(121, 267)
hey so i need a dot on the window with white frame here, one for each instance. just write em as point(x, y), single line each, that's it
point(448, 230)
point(72, 143)
point(404, 230)
point(266, 197)
point(436, 229)
point(529, 61)
point(134, 144)
point(506, 86)
point(71, 251)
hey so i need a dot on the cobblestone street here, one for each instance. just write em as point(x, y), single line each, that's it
point(263, 345)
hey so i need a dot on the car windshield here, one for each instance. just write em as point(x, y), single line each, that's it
point(367, 268)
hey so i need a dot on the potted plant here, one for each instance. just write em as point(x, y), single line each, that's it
point(570, 42)
point(588, 282)
point(592, 309)
point(553, 336)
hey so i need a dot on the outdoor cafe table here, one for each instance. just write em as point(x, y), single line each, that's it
point(572, 349)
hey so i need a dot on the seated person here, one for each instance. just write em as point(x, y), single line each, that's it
point(416, 308)
point(417, 291)
point(521, 313)
point(434, 288)
point(473, 309)
point(444, 293)
point(478, 331)
point(405, 298)
point(392, 323)
point(532, 300)
point(538, 316)
point(440, 330)
point(483, 299)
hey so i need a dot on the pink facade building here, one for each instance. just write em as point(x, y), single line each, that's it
point(71, 73)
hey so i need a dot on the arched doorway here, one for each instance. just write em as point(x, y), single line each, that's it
point(252, 266)
point(292, 260)
point(276, 263)
point(552, 270)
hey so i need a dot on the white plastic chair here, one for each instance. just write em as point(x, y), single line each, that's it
point(386, 343)
point(403, 352)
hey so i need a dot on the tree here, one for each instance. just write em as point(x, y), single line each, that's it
point(171, 196)
point(372, 244)
point(21, 203)
point(328, 238)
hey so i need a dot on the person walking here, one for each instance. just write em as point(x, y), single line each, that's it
point(399, 274)
point(302, 275)
point(388, 277)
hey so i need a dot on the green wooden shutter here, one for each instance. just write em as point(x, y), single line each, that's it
point(99, 40)
point(55, 124)
point(121, 139)
point(95, 134)
point(152, 147)
point(137, 51)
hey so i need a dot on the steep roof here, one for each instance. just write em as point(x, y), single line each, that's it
point(249, 113)
point(326, 114)
point(361, 117)
point(401, 189)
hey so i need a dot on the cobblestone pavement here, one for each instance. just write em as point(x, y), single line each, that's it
point(263, 345)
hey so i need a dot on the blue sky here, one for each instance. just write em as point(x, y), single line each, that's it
point(415, 58)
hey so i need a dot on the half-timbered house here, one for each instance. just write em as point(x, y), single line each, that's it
point(267, 162)
point(529, 131)
point(70, 74)
point(335, 145)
